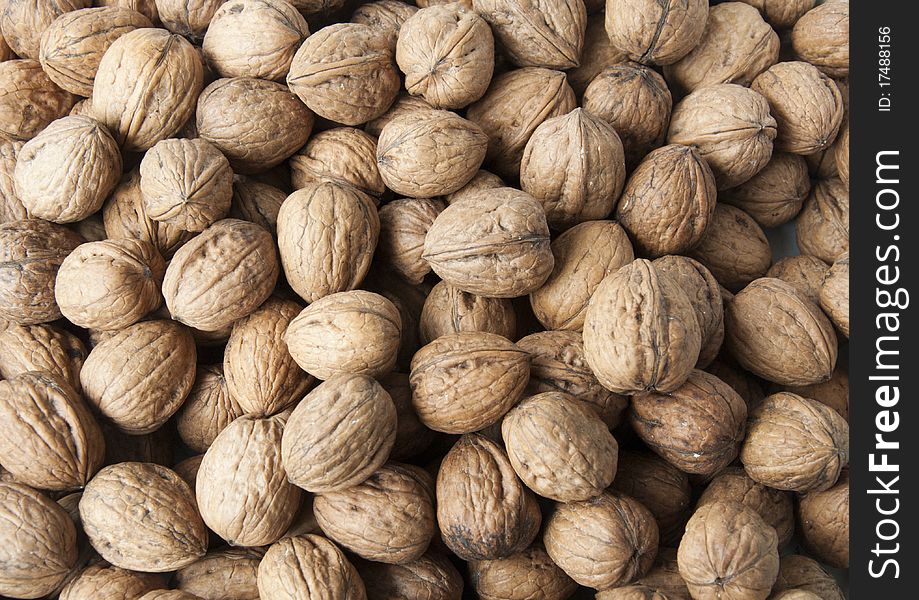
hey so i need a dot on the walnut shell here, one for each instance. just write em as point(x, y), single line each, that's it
point(256, 202)
point(797, 572)
point(431, 577)
point(345, 73)
point(463, 382)
point(777, 333)
point(45, 348)
point(834, 295)
point(100, 581)
point(734, 248)
point(795, 443)
point(513, 107)
point(24, 21)
point(744, 563)
point(664, 576)
point(841, 153)
point(742, 382)
point(168, 595)
point(409, 301)
point(404, 103)
point(51, 440)
point(754, 47)
point(824, 524)
point(833, 392)
point(31, 252)
point(73, 44)
point(598, 53)
point(732, 128)
point(221, 575)
point(11, 208)
point(65, 172)
point(140, 376)
point(527, 574)
point(631, 592)
point(141, 69)
point(208, 409)
point(342, 155)
point(781, 14)
point(607, 541)
point(29, 101)
point(653, 33)
point(821, 37)
point(641, 331)
point(189, 19)
point(307, 566)
point(483, 510)
point(317, 8)
point(386, 16)
point(110, 284)
point(221, 275)
point(164, 535)
point(412, 437)
point(483, 180)
point(39, 542)
point(403, 226)
point(449, 310)
point(775, 195)
point(447, 55)
point(822, 227)
point(495, 244)
point(350, 412)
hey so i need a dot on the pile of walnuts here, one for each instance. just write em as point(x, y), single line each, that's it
point(325, 299)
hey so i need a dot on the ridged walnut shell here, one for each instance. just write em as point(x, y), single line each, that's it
point(483, 180)
point(823, 519)
point(207, 410)
point(257, 202)
point(341, 155)
point(484, 511)
point(219, 574)
point(664, 576)
point(142, 516)
point(597, 54)
point(841, 153)
point(339, 434)
point(168, 595)
point(221, 275)
point(309, 566)
point(412, 437)
point(733, 248)
point(833, 392)
point(24, 21)
point(29, 101)
point(403, 226)
point(189, 19)
point(140, 376)
point(521, 576)
point(11, 208)
point(834, 295)
point(100, 581)
point(775, 195)
point(386, 16)
point(798, 572)
point(404, 103)
point(632, 592)
point(46, 348)
point(821, 37)
point(463, 382)
point(431, 577)
point(822, 226)
point(781, 14)
point(653, 32)
point(450, 310)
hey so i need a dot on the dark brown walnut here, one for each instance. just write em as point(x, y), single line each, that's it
point(631, 592)
point(463, 382)
point(732, 128)
point(339, 434)
point(781, 14)
point(821, 38)
point(342, 155)
point(574, 165)
point(29, 101)
point(823, 519)
point(299, 567)
point(607, 541)
point(254, 38)
point(403, 226)
point(776, 507)
point(494, 243)
point(65, 172)
point(347, 332)
point(734, 248)
point(795, 443)
point(327, 234)
point(754, 47)
point(219, 574)
point(385, 16)
point(447, 55)
point(806, 273)
point(833, 392)
point(775, 195)
point(39, 542)
point(483, 510)
point(841, 153)
point(11, 208)
point(31, 252)
point(221, 275)
point(24, 21)
point(51, 441)
point(404, 104)
point(527, 574)
point(664, 576)
point(698, 427)
point(345, 73)
point(513, 107)
point(798, 572)
point(660, 487)
point(110, 284)
point(261, 375)
point(73, 44)
point(483, 180)
point(187, 184)
point(744, 383)
point(640, 331)
point(834, 295)
point(188, 19)
point(431, 577)
point(655, 33)
point(164, 535)
point(141, 375)
point(449, 310)
point(207, 410)
point(537, 33)
point(101, 581)
point(45, 348)
point(728, 551)
point(144, 68)
point(412, 437)
point(598, 53)
point(256, 202)
point(822, 227)
point(775, 332)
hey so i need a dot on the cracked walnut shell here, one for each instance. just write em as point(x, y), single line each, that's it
point(654, 32)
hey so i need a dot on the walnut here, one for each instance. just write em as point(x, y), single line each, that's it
point(483, 510)
point(345, 73)
point(254, 38)
point(168, 595)
point(409, 301)
point(257, 124)
point(45, 348)
point(404, 104)
point(773, 196)
point(742, 382)
point(598, 54)
point(482, 180)
point(463, 382)
point(734, 248)
point(841, 153)
point(11, 208)
point(664, 576)
point(778, 334)
point(513, 107)
point(186, 183)
point(781, 14)
point(821, 37)
point(833, 392)
point(834, 295)
point(31, 252)
point(221, 275)
point(641, 331)
point(65, 172)
point(220, 573)
point(743, 563)
point(732, 128)
point(607, 541)
point(449, 310)
point(24, 21)
point(295, 565)
point(806, 273)
point(754, 47)
point(163, 533)
point(412, 437)
point(495, 244)
point(189, 19)
point(342, 155)
point(142, 69)
point(256, 202)
point(654, 33)
point(207, 410)
point(385, 16)
point(29, 101)
point(144, 7)
point(447, 54)
point(366, 334)
point(98, 580)
point(188, 469)
point(403, 226)
point(822, 227)
point(797, 572)
point(431, 577)
point(527, 574)
point(824, 523)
